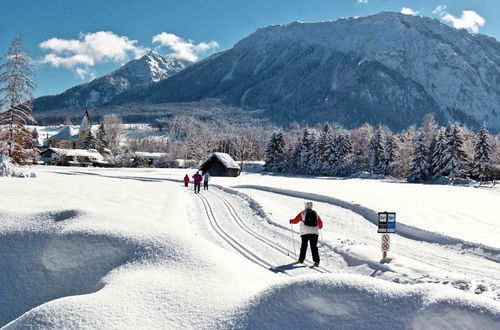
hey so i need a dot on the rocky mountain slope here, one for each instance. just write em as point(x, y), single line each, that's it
point(387, 68)
point(152, 67)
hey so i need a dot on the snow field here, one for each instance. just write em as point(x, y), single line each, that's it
point(353, 246)
point(113, 265)
point(129, 248)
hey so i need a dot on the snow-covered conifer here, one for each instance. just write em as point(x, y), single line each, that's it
point(322, 151)
point(454, 159)
point(482, 155)
point(376, 153)
point(305, 152)
point(389, 155)
point(275, 153)
point(89, 142)
point(101, 139)
point(419, 164)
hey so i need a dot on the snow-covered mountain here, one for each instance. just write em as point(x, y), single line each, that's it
point(150, 68)
point(387, 68)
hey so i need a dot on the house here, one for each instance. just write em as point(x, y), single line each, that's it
point(70, 137)
point(72, 157)
point(220, 164)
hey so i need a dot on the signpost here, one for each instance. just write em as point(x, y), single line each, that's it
point(386, 226)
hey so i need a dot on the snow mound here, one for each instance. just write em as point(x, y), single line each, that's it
point(355, 302)
point(7, 169)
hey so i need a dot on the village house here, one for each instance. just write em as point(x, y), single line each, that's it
point(70, 137)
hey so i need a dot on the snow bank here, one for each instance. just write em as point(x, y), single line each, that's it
point(355, 302)
point(7, 169)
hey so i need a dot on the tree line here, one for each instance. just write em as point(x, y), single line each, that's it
point(417, 155)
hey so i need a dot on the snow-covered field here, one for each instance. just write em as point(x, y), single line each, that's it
point(133, 248)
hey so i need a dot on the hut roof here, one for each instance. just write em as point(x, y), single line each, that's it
point(225, 159)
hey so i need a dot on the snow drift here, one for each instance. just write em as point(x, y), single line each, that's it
point(355, 302)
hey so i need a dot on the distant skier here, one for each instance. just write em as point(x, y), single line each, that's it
point(206, 178)
point(197, 178)
point(310, 223)
point(186, 180)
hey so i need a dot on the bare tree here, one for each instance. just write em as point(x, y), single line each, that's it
point(246, 145)
point(16, 97)
point(113, 126)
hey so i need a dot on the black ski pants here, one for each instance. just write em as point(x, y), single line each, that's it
point(205, 185)
point(313, 241)
point(197, 187)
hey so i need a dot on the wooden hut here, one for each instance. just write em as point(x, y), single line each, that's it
point(220, 164)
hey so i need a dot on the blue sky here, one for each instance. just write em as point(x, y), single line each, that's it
point(73, 41)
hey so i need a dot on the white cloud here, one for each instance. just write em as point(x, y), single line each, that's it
point(439, 9)
point(364, 2)
point(408, 11)
point(469, 20)
point(90, 49)
point(82, 73)
point(182, 48)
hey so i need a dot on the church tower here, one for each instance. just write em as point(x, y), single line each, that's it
point(85, 127)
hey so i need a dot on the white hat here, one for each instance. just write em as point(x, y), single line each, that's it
point(308, 205)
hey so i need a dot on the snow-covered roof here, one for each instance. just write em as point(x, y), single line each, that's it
point(66, 133)
point(91, 153)
point(150, 155)
point(225, 159)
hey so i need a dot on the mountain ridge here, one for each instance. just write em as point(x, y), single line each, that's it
point(388, 68)
point(148, 69)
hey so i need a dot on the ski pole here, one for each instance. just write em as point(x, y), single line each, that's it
point(293, 240)
point(324, 247)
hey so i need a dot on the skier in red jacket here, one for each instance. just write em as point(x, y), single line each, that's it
point(310, 223)
point(197, 178)
point(186, 180)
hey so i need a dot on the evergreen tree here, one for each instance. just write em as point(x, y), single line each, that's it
point(389, 155)
point(454, 158)
point(342, 154)
point(419, 163)
point(16, 96)
point(322, 151)
point(376, 153)
point(482, 155)
point(305, 153)
point(89, 142)
point(101, 139)
point(437, 164)
point(275, 153)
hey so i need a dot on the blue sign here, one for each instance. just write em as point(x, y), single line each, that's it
point(387, 222)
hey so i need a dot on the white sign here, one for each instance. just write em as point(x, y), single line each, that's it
point(386, 242)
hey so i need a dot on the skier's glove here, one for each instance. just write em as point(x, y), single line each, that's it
point(290, 221)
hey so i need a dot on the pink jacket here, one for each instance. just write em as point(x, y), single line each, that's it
point(197, 178)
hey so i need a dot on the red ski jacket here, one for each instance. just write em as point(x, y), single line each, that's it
point(186, 179)
point(304, 230)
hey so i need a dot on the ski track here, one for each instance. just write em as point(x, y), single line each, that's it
point(229, 240)
point(241, 248)
point(255, 235)
point(404, 230)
